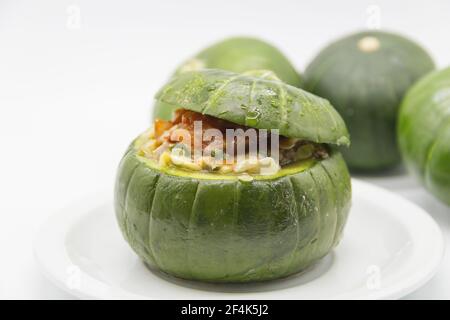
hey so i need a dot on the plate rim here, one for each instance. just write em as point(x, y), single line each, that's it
point(50, 251)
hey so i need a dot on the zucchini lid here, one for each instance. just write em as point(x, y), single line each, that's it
point(257, 102)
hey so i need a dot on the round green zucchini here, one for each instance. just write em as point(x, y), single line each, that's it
point(424, 132)
point(218, 227)
point(221, 229)
point(365, 77)
point(237, 54)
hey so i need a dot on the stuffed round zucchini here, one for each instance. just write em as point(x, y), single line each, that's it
point(238, 54)
point(424, 132)
point(248, 219)
point(365, 77)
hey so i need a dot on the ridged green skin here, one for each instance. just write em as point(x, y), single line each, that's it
point(257, 103)
point(367, 88)
point(238, 54)
point(211, 227)
point(424, 132)
point(227, 230)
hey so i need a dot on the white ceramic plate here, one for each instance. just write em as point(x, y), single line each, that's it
point(390, 248)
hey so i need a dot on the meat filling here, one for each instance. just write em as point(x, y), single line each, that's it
point(174, 143)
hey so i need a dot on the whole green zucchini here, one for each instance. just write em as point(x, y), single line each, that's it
point(424, 132)
point(365, 76)
point(218, 227)
point(237, 54)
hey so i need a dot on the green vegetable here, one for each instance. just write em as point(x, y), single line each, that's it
point(424, 132)
point(257, 103)
point(365, 77)
point(238, 55)
point(228, 230)
point(234, 228)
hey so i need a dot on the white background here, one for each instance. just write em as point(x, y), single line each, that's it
point(74, 92)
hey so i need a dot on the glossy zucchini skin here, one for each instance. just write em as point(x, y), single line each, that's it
point(365, 82)
point(258, 103)
point(228, 230)
point(424, 132)
point(237, 54)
